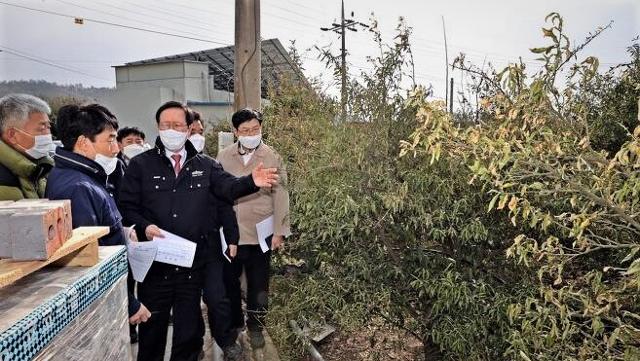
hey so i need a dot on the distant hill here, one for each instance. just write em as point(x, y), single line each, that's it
point(47, 90)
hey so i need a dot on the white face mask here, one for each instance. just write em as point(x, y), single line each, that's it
point(107, 163)
point(132, 150)
point(55, 145)
point(198, 142)
point(250, 141)
point(42, 146)
point(173, 140)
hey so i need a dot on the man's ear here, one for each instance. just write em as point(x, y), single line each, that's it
point(80, 145)
point(9, 136)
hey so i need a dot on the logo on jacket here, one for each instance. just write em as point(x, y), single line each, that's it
point(197, 173)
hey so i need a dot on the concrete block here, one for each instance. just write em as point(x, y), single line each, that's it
point(31, 200)
point(63, 206)
point(5, 234)
point(35, 233)
point(66, 211)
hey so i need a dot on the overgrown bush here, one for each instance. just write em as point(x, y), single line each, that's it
point(573, 204)
point(402, 235)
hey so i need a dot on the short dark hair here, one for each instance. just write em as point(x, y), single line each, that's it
point(195, 115)
point(174, 104)
point(245, 115)
point(127, 131)
point(89, 121)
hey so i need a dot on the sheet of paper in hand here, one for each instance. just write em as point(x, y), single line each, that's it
point(173, 249)
point(265, 230)
point(223, 245)
point(140, 256)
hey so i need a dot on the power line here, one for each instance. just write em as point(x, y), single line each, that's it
point(127, 10)
point(303, 22)
point(160, 10)
point(103, 22)
point(196, 9)
point(115, 24)
point(303, 16)
point(179, 10)
point(312, 10)
point(123, 17)
point(46, 62)
point(431, 77)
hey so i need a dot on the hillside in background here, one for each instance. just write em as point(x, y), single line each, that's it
point(49, 90)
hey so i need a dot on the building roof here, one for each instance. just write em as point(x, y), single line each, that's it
point(276, 65)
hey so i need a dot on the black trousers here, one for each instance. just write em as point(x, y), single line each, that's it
point(257, 267)
point(131, 287)
point(176, 289)
point(218, 305)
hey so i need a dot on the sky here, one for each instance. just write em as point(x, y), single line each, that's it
point(50, 46)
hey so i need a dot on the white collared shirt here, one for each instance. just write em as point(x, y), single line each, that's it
point(247, 157)
point(183, 156)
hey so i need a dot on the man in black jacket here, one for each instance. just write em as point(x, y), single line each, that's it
point(173, 188)
point(81, 173)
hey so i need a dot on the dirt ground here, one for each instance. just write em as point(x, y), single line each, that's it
point(370, 344)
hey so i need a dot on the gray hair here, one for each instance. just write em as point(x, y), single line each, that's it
point(16, 108)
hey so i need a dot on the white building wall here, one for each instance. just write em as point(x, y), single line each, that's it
point(137, 107)
point(141, 89)
point(214, 114)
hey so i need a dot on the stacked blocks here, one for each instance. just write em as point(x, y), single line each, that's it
point(29, 336)
point(33, 229)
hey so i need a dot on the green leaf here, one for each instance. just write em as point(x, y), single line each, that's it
point(634, 268)
point(493, 202)
point(613, 338)
point(524, 356)
point(503, 201)
point(629, 256)
point(542, 50)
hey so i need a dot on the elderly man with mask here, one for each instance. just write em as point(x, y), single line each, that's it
point(25, 143)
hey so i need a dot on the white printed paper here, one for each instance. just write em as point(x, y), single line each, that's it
point(265, 230)
point(223, 244)
point(140, 256)
point(173, 249)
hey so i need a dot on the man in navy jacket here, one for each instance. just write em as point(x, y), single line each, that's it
point(173, 188)
point(80, 174)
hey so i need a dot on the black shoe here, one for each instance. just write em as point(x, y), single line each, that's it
point(232, 352)
point(256, 339)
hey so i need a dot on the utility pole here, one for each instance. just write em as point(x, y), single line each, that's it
point(343, 88)
point(446, 60)
point(247, 74)
point(451, 97)
point(341, 29)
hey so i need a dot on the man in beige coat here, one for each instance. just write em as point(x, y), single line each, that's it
point(266, 207)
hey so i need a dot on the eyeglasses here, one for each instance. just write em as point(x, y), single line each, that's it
point(249, 131)
point(175, 126)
